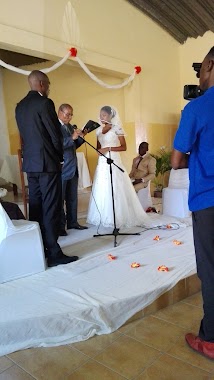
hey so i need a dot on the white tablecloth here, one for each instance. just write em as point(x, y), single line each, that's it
point(84, 176)
point(10, 171)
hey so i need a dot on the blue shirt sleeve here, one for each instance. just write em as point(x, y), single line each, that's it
point(187, 132)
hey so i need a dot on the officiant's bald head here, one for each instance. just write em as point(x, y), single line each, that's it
point(39, 81)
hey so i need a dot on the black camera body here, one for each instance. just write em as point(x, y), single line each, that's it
point(197, 68)
point(192, 91)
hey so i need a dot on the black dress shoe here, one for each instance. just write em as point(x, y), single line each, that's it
point(77, 226)
point(63, 233)
point(62, 259)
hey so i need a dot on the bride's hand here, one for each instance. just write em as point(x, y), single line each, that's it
point(103, 150)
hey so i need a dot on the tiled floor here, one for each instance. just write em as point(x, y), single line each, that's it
point(150, 348)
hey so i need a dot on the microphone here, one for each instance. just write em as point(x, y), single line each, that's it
point(105, 122)
point(75, 126)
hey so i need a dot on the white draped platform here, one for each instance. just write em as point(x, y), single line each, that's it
point(94, 295)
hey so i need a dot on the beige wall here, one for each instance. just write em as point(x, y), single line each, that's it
point(194, 50)
point(112, 36)
point(114, 39)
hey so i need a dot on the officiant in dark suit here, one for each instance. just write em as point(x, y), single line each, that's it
point(42, 160)
point(71, 141)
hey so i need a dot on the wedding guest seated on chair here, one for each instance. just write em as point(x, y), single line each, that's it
point(143, 168)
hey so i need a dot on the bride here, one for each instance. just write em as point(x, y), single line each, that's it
point(128, 210)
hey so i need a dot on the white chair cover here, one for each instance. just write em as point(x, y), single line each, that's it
point(179, 179)
point(21, 248)
point(175, 202)
point(145, 198)
point(175, 196)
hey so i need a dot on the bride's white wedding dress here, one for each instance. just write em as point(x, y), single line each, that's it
point(128, 210)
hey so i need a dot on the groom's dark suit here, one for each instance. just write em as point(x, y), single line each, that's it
point(42, 154)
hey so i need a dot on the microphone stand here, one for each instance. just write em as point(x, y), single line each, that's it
point(115, 231)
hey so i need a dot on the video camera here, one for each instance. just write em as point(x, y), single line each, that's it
point(192, 91)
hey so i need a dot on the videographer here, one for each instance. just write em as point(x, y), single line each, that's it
point(196, 135)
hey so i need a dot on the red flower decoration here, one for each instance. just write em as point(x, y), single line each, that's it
point(137, 69)
point(73, 52)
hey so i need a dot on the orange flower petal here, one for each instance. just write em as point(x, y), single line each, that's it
point(135, 265)
point(111, 257)
point(177, 242)
point(163, 268)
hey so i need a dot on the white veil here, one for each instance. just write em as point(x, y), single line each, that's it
point(115, 121)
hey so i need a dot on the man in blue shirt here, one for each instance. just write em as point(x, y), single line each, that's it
point(195, 136)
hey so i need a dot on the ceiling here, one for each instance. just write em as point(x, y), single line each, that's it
point(180, 18)
point(18, 59)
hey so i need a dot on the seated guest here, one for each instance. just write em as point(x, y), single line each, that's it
point(143, 168)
